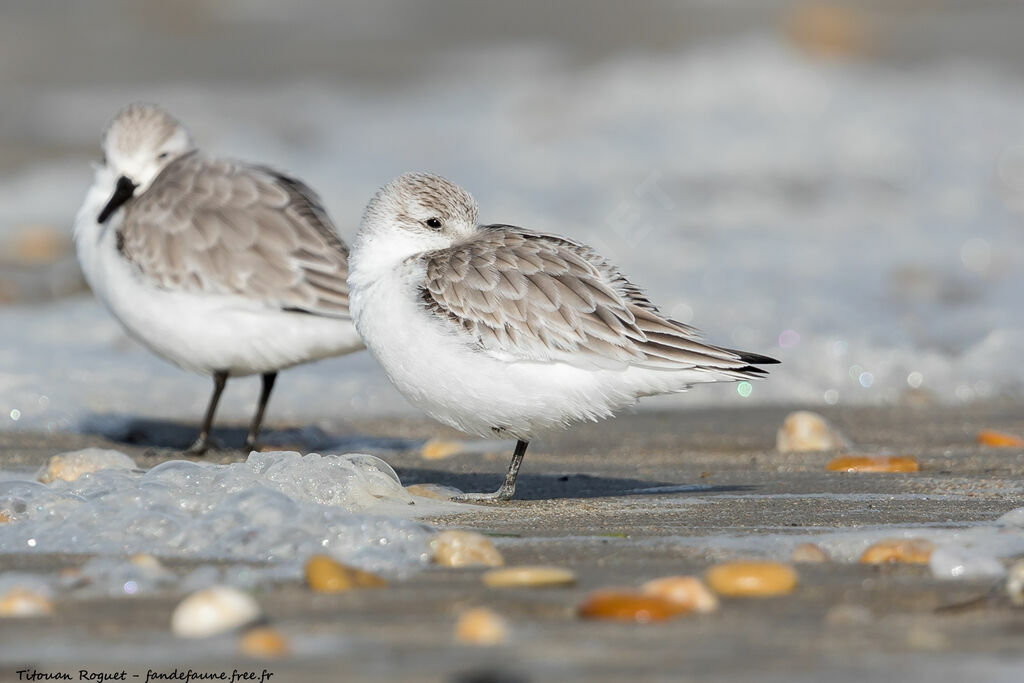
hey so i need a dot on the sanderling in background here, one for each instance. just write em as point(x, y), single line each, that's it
point(221, 267)
point(497, 330)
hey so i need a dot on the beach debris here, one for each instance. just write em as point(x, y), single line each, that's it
point(432, 491)
point(809, 553)
point(847, 614)
point(990, 437)
point(213, 610)
point(21, 601)
point(751, 579)
point(263, 642)
point(804, 431)
point(1015, 583)
point(623, 604)
point(326, 575)
point(529, 577)
point(70, 466)
point(457, 548)
point(4, 518)
point(481, 626)
point(873, 463)
point(688, 591)
point(899, 551)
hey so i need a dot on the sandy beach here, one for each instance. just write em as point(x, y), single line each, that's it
point(643, 496)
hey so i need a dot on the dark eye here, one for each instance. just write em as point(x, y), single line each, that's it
point(162, 155)
point(434, 223)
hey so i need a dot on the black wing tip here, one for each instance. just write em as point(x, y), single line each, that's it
point(755, 358)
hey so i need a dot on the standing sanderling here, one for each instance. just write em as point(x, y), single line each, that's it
point(496, 330)
point(220, 267)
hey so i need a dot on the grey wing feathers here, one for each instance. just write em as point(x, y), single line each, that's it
point(541, 297)
point(222, 227)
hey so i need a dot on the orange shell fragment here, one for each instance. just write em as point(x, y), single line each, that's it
point(990, 437)
point(629, 605)
point(867, 463)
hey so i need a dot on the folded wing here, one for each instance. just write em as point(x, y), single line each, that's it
point(223, 227)
point(531, 296)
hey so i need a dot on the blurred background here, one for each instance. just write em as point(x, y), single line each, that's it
point(838, 184)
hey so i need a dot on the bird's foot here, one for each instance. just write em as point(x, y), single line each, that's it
point(201, 446)
point(503, 494)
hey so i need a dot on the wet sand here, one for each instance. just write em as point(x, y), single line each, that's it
point(581, 504)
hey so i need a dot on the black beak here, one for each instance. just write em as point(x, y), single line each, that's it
point(122, 193)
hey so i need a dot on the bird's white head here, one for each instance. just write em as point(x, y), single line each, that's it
point(139, 143)
point(417, 212)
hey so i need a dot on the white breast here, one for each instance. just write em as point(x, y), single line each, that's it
point(441, 370)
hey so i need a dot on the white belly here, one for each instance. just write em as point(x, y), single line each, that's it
point(199, 332)
point(442, 373)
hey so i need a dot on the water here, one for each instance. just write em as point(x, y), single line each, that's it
point(858, 222)
point(261, 519)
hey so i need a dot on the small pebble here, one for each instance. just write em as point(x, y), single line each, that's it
point(529, 577)
point(1015, 583)
point(326, 575)
point(899, 550)
point(213, 610)
point(629, 605)
point(465, 549)
point(23, 602)
point(688, 591)
point(809, 553)
point(868, 463)
point(751, 579)
point(70, 466)
point(990, 437)
point(437, 449)
point(806, 431)
point(481, 626)
point(263, 642)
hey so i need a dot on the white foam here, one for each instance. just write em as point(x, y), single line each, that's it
point(275, 508)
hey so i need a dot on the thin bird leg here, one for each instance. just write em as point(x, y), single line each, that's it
point(257, 420)
point(508, 488)
point(220, 378)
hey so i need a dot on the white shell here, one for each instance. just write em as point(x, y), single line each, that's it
point(213, 610)
point(807, 431)
point(70, 466)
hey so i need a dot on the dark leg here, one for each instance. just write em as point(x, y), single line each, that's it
point(220, 378)
point(257, 420)
point(508, 488)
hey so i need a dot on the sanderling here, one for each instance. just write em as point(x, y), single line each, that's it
point(497, 330)
point(221, 267)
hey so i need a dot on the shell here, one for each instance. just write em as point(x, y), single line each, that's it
point(689, 591)
point(465, 549)
point(629, 605)
point(24, 602)
point(868, 463)
point(213, 610)
point(325, 575)
point(481, 627)
point(899, 550)
point(751, 579)
point(529, 577)
point(803, 431)
point(70, 466)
